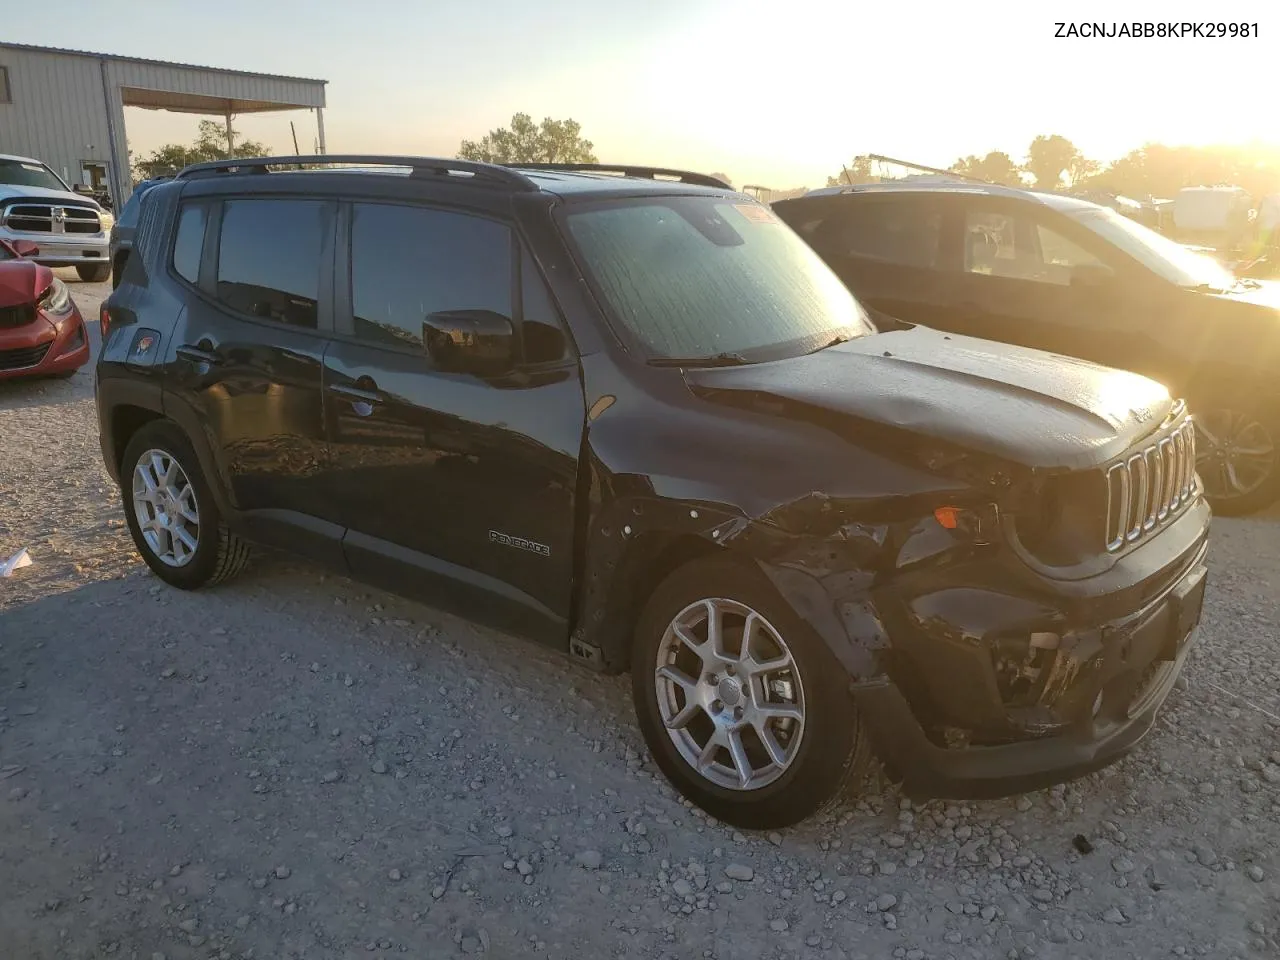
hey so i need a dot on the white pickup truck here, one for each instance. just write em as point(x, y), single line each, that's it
point(71, 230)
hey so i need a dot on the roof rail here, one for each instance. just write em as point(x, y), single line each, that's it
point(649, 173)
point(419, 167)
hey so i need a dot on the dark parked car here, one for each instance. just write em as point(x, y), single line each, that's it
point(1068, 276)
point(126, 226)
point(41, 331)
point(636, 418)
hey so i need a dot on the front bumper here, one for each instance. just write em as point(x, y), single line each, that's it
point(1125, 670)
point(40, 350)
point(66, 250)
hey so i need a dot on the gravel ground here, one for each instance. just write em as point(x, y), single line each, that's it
point(295, 765)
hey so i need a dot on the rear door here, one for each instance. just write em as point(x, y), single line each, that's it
point(456, 487)
point(246, 358)
point(887, 249)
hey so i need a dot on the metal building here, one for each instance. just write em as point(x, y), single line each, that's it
point(66, 107)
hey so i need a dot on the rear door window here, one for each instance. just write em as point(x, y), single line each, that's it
point(904, 234)
point(269, 258)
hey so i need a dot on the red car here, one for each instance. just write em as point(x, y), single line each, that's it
point(41, 331)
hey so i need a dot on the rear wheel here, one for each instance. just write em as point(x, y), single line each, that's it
point(171, 513)
point(94, 273)
point(1237, 457)
point(741, 703)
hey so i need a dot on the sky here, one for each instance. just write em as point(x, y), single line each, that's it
point(772, 93)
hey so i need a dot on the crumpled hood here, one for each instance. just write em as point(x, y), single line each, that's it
point(9, 191)
point(1025, 406)
point(22, 281)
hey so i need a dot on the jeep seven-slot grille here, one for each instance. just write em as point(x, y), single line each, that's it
point(1150, 485)
point(51, 218)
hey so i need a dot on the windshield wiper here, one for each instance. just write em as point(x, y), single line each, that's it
point(715, 360)
point(833, 342)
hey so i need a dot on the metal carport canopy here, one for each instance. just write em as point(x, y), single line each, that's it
point(65, 105)
point(201, 103)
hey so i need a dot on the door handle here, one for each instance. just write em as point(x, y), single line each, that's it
point(299, 357)
point(355, 394)
point(201, 353)
point(363, 401)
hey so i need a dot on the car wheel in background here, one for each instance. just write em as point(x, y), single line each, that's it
point(743, 706)
point(172, 517)
point(1237, 457)
point(94, 273)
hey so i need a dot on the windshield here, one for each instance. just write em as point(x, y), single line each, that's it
point(1157, 253)
point(27, 173)
point(702, 277)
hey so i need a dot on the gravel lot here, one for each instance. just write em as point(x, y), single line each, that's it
point(295, 765)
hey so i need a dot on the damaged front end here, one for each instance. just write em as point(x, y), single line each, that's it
point(1011, 603)
point(978, 668)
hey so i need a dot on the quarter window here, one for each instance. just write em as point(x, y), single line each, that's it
point(269, 259)
point(408, 262)
point(188, 243)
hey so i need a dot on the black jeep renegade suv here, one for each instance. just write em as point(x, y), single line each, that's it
point(635, 417)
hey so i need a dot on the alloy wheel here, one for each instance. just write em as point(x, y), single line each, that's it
point(730, 694)
point(164, 504)
point(1235, 453)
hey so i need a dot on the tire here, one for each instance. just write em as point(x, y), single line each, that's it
point(209, 552)
point(94, 273)
point(820, 762)
point(1237, 480)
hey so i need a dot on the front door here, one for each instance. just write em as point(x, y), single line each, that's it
point(247, 359)
point(1026, 281)
point(455, 487)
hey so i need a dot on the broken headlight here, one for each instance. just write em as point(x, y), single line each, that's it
point(56, 301)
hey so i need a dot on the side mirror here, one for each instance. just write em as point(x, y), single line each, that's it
point(469, 341)
point(25, 248)
point(1091, 275)
point(82, 188)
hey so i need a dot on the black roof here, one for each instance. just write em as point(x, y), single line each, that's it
point(567, 180)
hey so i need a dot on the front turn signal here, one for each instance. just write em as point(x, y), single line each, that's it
point(977, 524)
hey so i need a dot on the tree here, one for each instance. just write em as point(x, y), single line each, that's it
point(856, 171)
point(554, 141)
point(1048, 158)
point(210, 144)
point(1080, 169)
point(995, 167)
point(1159, 171)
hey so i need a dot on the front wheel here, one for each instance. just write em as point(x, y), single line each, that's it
point(1236, 458)
point(94, 273)
point(741, 703)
